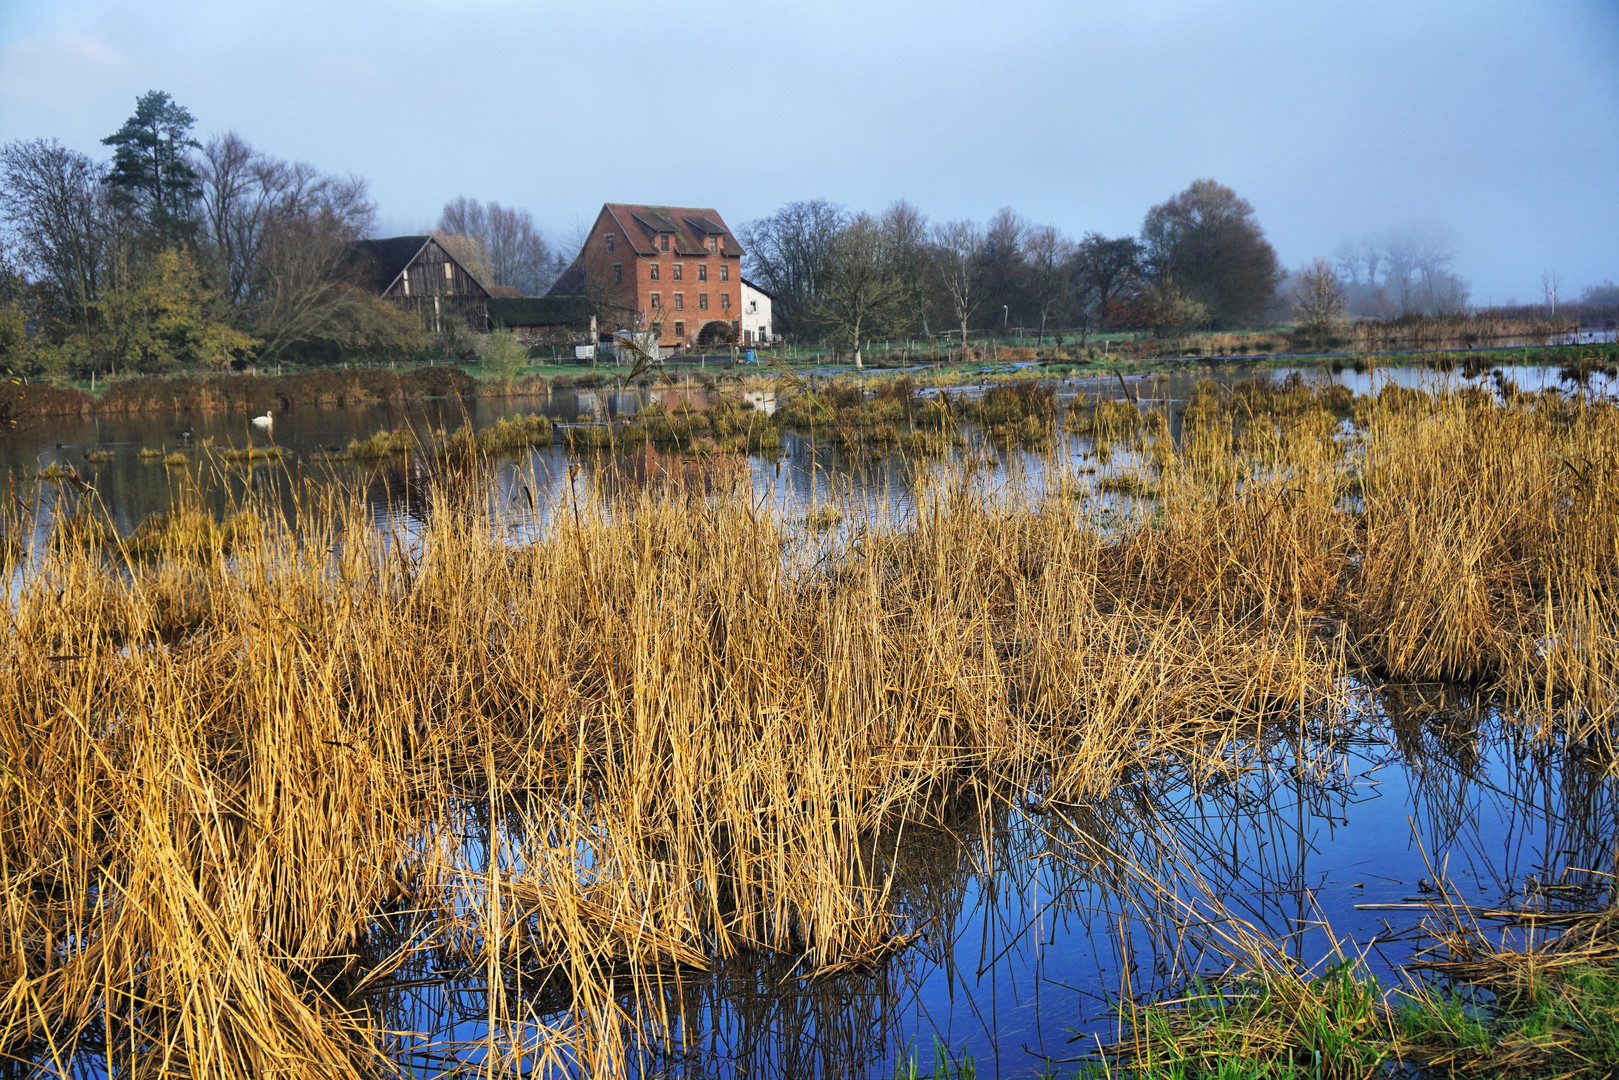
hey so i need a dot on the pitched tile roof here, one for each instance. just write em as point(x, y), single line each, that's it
point(691, 227)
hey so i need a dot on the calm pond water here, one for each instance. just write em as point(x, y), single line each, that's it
point(107, 451)
point(1029, 937)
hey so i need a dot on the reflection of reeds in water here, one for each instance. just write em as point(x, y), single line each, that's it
point(664, 737)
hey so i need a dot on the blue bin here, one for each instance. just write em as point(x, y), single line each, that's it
point(751, 358)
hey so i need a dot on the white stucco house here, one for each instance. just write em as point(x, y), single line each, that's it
point(757, 326)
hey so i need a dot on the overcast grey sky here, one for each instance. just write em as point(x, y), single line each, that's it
point(1495, 119)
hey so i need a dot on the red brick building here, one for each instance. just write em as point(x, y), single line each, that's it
point(678, 269)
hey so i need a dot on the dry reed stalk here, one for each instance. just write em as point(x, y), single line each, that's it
point(669, 730)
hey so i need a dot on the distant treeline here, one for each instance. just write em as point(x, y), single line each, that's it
point(1199, 262)
point(181, 256)
point(1599, 315)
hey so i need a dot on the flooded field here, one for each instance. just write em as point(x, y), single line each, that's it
point(816, 760)
point(124, 457)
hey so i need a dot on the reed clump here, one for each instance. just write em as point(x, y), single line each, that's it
point(1107, 420)
point(188, 532)
point(251, 453)
point(508, 435)
point(674, 724)
point(266, 802)
point(730, 424)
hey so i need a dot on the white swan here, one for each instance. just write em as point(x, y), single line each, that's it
point(264, 421)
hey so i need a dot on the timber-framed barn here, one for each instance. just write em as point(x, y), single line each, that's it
point(417, 274)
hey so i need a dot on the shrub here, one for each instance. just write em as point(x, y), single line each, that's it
point(502, 355)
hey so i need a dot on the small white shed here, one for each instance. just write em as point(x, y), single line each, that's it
point(757, 326)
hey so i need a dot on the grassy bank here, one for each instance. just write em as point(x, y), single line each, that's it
point(1534, 1013)
point(270, 768)
point(254, 393)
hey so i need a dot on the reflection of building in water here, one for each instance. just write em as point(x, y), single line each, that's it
point(651, 469)
point(763, 400)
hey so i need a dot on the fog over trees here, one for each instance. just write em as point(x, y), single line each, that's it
point(1405, 271)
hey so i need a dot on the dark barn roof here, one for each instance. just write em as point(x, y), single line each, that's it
point(571, 282)
point(384, 260)
point(570, 311)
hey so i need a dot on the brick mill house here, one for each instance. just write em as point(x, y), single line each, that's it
point(416, 274)
point(675, 270)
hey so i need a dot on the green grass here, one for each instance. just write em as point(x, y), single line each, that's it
point(1343, 1024)
point(945, 1066)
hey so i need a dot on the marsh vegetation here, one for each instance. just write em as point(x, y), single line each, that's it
point(674, 778)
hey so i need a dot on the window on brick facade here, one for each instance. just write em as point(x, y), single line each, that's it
point(725, 301)
point(680, 329)
point(652, 272)
point(725, 271)
point(663, 242)
point(618, 272)
point(702, 271)
point(680, 271)
point(713, 244)
point(702, 301)
point(657, 301)
point(609, 241)
point(680, 301)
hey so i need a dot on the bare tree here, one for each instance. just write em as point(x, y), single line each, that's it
point(1405, 271)
point(309, 303)
point(235, 211)
point(247, 196)
point(958, 264)
point(62, 226)
point(518, 249)
point(1417, 276)
point(1550, 282)
point(860, 293)
point(1103, 271)
point(1003, 270)
point(1360, 263)
point(502, 242)
point(789, 253)
point(1318, 297)
point(1047, 257)
point(905, 230)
